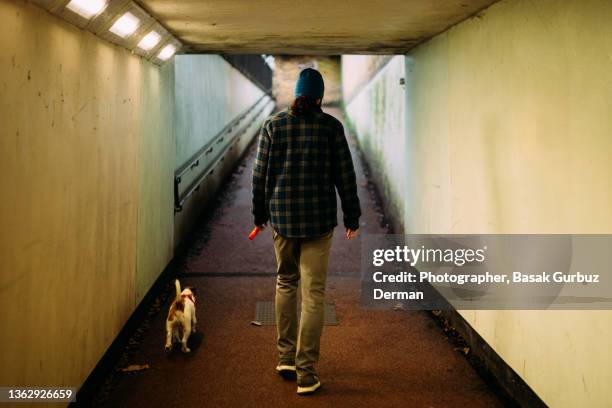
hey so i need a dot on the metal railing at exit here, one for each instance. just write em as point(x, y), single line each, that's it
point(232, 132)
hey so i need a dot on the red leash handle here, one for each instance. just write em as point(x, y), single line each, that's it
point(254, 233)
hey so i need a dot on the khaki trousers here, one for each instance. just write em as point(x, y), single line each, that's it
point(305, 259)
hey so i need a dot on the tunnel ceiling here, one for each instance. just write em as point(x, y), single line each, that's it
point(308, 27)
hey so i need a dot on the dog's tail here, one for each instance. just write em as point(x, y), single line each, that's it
point(177, 285)
point(179, 305)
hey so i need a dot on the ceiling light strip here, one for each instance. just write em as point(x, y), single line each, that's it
point(122, 22)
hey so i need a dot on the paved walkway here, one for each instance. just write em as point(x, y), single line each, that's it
point(372, 358)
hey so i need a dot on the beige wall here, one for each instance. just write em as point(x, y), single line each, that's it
point(511, 133)
point(358, 70)
point(210, 93)
point(196, 206)
point(376, 114)
point(157, 160)
point(86, 157)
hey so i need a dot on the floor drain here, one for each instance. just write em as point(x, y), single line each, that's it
point(264, 313)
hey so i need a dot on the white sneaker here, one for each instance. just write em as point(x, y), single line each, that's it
point(308, 385)
point(286, 370)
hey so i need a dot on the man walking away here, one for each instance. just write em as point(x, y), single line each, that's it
point(302, 158)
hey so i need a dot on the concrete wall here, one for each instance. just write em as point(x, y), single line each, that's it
point(508, 131)
point(88, 148)
point(209, 94)
point(376, 114)
point(358, 70)
point(288, 69)
point(510, 135)
point(196, 206)
point(86, 157)
point(156, 158)
point(90, 141)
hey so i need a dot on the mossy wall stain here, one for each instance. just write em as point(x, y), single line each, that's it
point(376, 113)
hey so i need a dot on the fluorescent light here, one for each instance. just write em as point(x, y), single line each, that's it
point(149, 41)
point(87, 8)
point(167, 52)
point(125, 25)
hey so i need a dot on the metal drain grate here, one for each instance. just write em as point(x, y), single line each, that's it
point(264, 313)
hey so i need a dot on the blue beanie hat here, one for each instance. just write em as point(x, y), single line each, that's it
point(310, 83)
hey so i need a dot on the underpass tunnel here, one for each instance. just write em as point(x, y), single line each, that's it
point(127, 134)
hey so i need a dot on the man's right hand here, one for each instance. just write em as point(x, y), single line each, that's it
point(350, 234)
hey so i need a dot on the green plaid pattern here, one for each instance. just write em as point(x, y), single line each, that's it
point(300, 162)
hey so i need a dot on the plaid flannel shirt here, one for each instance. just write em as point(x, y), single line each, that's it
point(300, 162)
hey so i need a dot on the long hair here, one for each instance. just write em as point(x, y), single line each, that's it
point(303, 105)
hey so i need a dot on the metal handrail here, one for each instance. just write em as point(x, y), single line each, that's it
point(194, 161)
point(227, 129)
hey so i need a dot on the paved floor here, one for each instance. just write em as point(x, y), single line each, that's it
point(373, 358)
